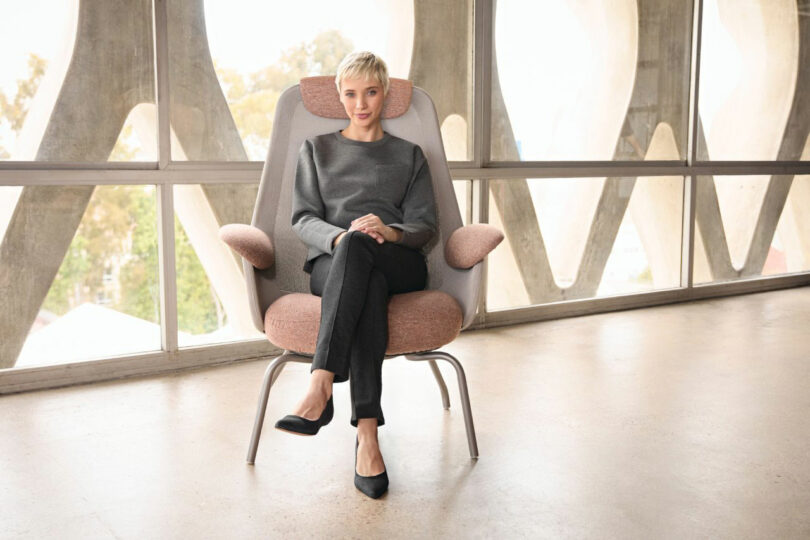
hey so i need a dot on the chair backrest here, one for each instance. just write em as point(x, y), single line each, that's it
point(292, 125)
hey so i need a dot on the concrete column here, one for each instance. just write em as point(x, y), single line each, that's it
point(654, 128)
point(84, 125)
point(768, 201)
point(513, 202)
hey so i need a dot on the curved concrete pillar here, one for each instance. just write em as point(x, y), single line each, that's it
point(83, 126)
point(656, 207)
point(787, 36)
point(513, 203)
point(661, 80)
point(200, 116)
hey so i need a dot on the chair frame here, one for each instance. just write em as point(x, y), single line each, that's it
point(277, 366)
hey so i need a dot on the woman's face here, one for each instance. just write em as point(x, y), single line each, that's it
point(363, 101)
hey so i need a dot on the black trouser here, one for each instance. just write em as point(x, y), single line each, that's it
point(354, 284)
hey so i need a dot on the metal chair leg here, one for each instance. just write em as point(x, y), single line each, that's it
point(462, 390)
point(270, 375)
point(442, 387)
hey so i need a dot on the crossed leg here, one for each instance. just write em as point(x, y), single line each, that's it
point(355, 283)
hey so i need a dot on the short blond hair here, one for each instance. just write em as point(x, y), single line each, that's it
point(363, 65)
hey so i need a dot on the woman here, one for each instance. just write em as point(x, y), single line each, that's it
point(363, 203)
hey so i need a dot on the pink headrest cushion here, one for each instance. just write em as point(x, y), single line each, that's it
point(321, 97)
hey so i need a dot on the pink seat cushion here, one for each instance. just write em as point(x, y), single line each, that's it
point(417, 321)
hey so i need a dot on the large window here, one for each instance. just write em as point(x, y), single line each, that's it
point(650, 150)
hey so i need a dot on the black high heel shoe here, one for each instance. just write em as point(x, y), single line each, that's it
point(303, 426)
point(373, 486)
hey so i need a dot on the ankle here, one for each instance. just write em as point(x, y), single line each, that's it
point(368, 435)
point(321, 392)
point(321, 382)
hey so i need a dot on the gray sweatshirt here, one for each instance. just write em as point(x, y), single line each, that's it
point(339, 179)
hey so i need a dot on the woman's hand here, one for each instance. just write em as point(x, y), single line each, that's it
point(374, 227)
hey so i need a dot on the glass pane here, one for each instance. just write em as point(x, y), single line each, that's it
point(574, 238)
point(212, 304)
point(72, 89)
point(754, 90)
point(226, 79)
point(84, 269)
point(590, 80)
point(751, 226)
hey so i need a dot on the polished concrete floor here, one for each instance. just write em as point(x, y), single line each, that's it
point(680, 421)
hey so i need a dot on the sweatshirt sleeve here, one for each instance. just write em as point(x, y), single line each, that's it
point(307, 205)
point(418, 206)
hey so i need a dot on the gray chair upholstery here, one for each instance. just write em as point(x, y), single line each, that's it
point(273, 263)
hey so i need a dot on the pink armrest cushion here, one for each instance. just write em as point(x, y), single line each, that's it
point(468, 245)
point(249, 242)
